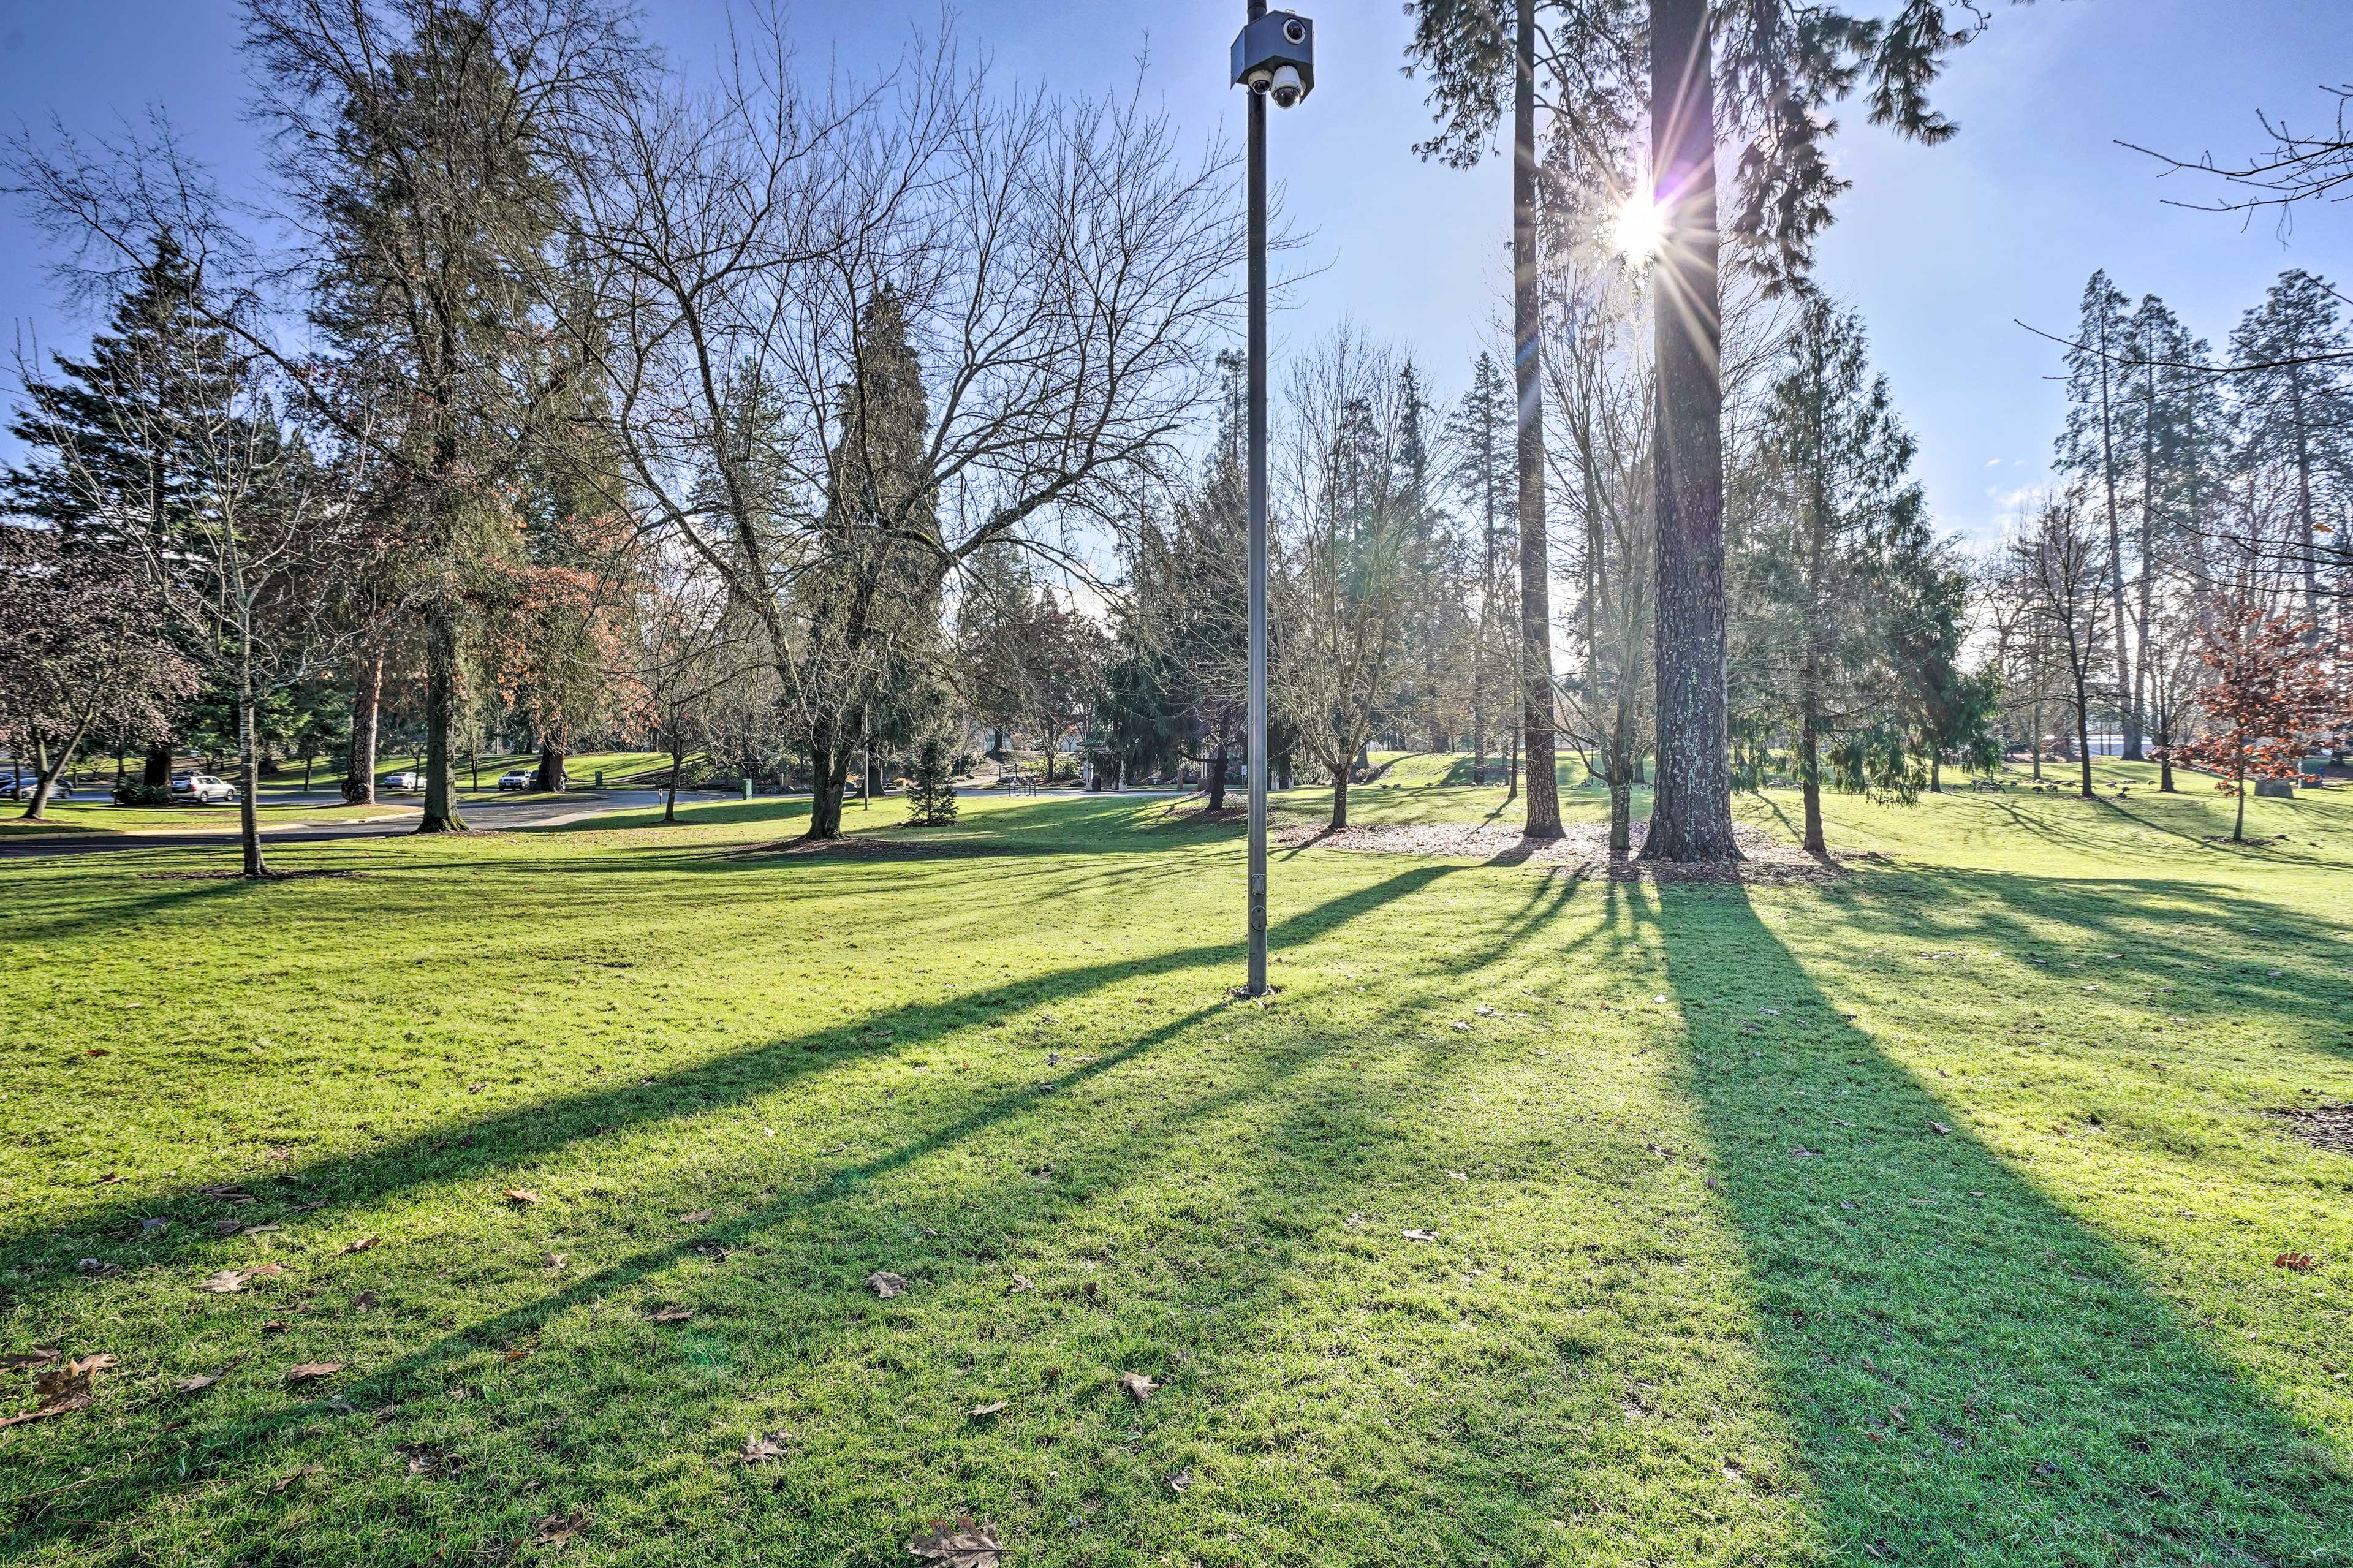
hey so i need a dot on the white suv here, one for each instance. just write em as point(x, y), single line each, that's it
point(409, 780)
point(203, 788)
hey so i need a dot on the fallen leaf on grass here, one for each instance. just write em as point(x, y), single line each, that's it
point(39, 1355)
point(1180, 1482)
point(982, 1412)
point(670, 1314)
point(363, 1244)
point(60, 1386)
point(756, 1447)
point(2295, 1262)
point(195, 1384)
point(228, 1193)
point(1137, 1386)
point(556, 1260)
point(697, 1217)
point(363, 1301)
point(1942, 1130)
point(1419, 1234)
point(311, 1370)
point(1021, 1283)
point(522, 1195)
point(154, 1224)
point(965, 1543)
point(96, 1269)
point(885, 1284)
point(1804, 1153)
point(557, 1529)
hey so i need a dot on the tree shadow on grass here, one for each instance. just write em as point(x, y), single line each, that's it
point(572, 1390)
point(1974, 1375)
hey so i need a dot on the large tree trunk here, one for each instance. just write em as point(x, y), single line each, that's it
point(155, 771)
point(551, 775)
point(1535, 570)
point(2084, 733)
point(1810, 776)
point(441, 814)
point(367, 702)
point(1217, 780)
point(248, 766)
point(1340, 795)
point(1691, 813)
point(828, 768)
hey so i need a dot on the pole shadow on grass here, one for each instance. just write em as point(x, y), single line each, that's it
point(1974, 1375)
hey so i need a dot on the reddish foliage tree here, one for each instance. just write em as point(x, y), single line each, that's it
point(2270, 699)
point(79, 650)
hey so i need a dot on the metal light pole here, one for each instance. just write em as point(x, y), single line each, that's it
point(1274, 57)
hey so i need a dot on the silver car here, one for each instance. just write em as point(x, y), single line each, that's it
point(203, 788)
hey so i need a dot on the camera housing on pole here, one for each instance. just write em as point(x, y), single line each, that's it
point(1275, 55)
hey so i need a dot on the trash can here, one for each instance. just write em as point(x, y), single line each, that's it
point(747, 789)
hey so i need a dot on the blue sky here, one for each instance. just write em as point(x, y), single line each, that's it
point(1939, 247)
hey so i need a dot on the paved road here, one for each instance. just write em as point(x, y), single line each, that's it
point(484, 811)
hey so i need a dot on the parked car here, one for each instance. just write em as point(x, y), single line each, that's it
point(20, 786)
point(520, 778)
point(203, 788)
point(406, 779)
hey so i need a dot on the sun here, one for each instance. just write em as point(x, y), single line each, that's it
point(1640, 228)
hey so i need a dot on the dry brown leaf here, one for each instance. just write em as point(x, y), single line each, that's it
point(1942, 1130)
point(885, 1284)
point(670, 1314)
point(963, 1542)
point(364, 1301)
point(39, 1355)
point(227, 1226)
point(60, 1386)
point(200, 1381)
point(1181, 1483)
point(1419, 1234)
point(363, 1244)
point(1021, 1283)
point(2295, 1262)
point(557, 1529)
point(522, 1195)
point(228, 1193)
point(697, 1217)
point(556, 1260)
point(309, 1370)
point(756, 1447)
point(227, 1282)
point(1137, 1386)
point(982, 1412)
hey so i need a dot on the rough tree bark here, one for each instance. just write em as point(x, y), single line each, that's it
point(441, 814)
point(1535, 570)
point(367, 702)
point(1691, 813)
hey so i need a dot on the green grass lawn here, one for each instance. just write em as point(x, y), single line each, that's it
point(1924, 1216)
point(95, 816)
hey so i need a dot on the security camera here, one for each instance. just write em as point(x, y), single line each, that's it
point(1276, 56)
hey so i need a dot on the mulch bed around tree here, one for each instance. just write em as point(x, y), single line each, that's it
point(1582, 851)
point(2322, 1126)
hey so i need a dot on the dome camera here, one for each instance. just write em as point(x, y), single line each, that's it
point(1294, 30)
point(1287, 88)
